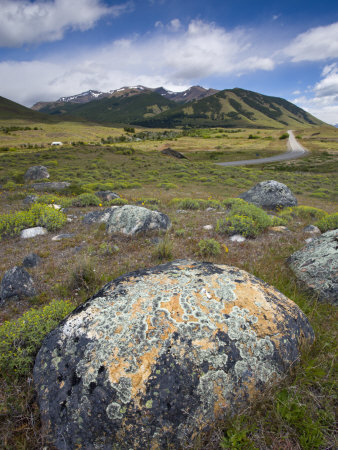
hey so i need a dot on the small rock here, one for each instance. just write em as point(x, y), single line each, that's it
point(237, 238)
point(181, 211)
point(59, 237)
point(30, 199)
point(279, 229)
point(53, 186)
point(31, 260)
point(208, 227)
point(311, 229)
point(36, 173)
point(210, 209)
point(308, 240)
point(32, 232)
point(16, 284)
point(107, 195)
point(52, 205)
point(270, 195)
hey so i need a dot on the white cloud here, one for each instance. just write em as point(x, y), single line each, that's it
point(324, 102)
point(315, 44)
point(22, 21)
point(174, 60)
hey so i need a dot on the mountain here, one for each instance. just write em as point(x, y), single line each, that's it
point(233, 108)
point(10, 110)
point(193, 93)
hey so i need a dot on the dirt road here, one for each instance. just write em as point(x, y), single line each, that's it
point(295, 150)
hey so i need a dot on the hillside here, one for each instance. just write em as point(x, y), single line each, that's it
point(10, 110)
point(234, 108)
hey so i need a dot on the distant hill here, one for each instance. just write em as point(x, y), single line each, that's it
point(234, 108)
point(10, 110)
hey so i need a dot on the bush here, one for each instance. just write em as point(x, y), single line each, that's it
point(21, 339)
point(86, 200)
point(185, 203)
point(328, 222)
point(209, 247)
point(37, 215)
point(118, 202)
point(84, 277)
point(229, 202)
point(284, 136)
point(164, 250)
point(304, 212)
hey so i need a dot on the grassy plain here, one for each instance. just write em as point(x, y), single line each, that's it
point(299, 413)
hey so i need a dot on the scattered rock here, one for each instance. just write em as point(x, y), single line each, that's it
point(170, 152)
point(279, 229)
point(237, 238)
point(52, 186)
point(107, 195)
point(30, 199)
point(210, 209)
point(308, 240)
point(270, 195)
point(99, 216)
point(16, 284)
point(158, 355)
point(131, 219)
point(54, 206)
point(311, 229)
point(36, 173)
point(316, 265)
point(208, 227)
point(32, 232)
point(59, 237)
point(31, 260)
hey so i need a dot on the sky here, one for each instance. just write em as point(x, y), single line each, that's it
point(55, 48)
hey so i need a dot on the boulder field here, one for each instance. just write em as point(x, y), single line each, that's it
point(158, 355)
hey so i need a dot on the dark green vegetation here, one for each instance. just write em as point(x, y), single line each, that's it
point(13, 111)
point(299, 413)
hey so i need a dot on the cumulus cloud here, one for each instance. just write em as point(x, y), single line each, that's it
point(23, 21)
point(324, 100)
point(174, 60)
point(316, 44)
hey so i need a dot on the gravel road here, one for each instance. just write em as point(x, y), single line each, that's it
point(295, 150)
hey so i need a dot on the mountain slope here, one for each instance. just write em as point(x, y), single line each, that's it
point(10, 110)
point(234, 108)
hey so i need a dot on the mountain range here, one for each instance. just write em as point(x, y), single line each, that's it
point(158, 107)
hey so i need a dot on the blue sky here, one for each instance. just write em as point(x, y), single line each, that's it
point(54, 48)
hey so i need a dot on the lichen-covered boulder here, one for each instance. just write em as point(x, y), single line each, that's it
point(270, 195)
point(98, 216)
point(16, 284)
point(131, 219)
point(316, 266)
point(36, 173)
point(159, 354)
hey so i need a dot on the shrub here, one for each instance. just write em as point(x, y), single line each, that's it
point(118, 202)
point(86, 199)
point(303, 212)
point(84, 277)
point(328, 222)
point(284, 136)
point(185, 203)
point(166, 185)
point(21, 339)
point(164, 250)
point(229, 202)
point(209, 247)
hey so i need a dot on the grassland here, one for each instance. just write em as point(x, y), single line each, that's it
point(299, 413)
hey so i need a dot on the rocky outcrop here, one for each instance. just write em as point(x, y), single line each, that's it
point(99, 216)
point(270, 195)
point(16, 284)
point(158, 355)
point(130, 220)
point(106, 196)
point(316, 266)
point(170, 152)
point(36, 173)
point(52, 186)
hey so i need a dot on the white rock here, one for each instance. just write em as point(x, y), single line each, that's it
point(32, 232)
point(55, 206)
point(308, 240)
point(208, 227)
point(237, 238)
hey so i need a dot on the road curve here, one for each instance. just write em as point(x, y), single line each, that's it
point(295, 150)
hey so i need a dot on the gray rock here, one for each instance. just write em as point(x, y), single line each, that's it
point(16, 284)
point(208, 227)
point(158, 355)
point(36, 173)
point(99, 216)
point(32, 232)
point(237, 238)
point(30, 199)
point(311, 229)
point(170, 152)
point(31, 260)
point(107, 195)
point(52, 186)
point(59, 237)
point(270, 195)
point(130, 220)
point(316, 266)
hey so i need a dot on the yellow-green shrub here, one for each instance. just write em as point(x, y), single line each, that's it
point(328, 222)
point(209, 247)
point(304, 212)
point(21, 339)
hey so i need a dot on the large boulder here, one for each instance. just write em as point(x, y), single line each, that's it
point(36, 173)
point(158, 355)
point(270, 195)
point(28, 233)
point(316, 266)
point(130, 220)
point(16, 284)
point(98, 216)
